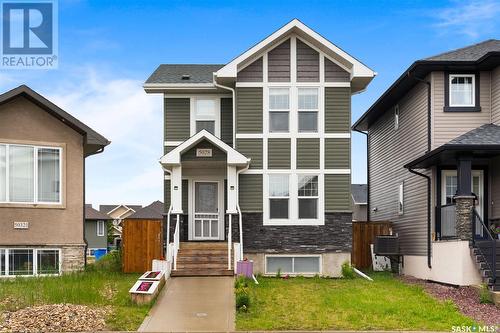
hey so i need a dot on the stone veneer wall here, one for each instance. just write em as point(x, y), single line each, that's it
point(73, 258)
point(464, 207)
point(334, 236)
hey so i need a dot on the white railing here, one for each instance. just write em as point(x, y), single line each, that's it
point(236, 256)
point(229, 241)
point(176, 242)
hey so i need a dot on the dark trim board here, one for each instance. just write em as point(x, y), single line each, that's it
point(477, 83)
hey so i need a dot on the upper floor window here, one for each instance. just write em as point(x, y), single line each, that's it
point(279, 110)
point(100, 228)
point(30, 174)
point(462, 90)
point(308, 196)
point(279, 196)
point(308, 109)
point(206, 115)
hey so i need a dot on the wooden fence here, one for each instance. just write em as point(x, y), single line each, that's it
point(363, 234)
point(142, 241)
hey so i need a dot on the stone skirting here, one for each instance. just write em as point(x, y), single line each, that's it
point(73, 258)
point(464, 208)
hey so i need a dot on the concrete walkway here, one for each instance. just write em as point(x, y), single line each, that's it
point(193, 304)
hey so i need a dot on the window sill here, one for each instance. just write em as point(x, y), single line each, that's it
point(30, 205)
point(462, 109)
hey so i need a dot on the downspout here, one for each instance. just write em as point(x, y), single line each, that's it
point(168, 214)
point(84, 236)
point(233, 92)
point(367, 173)
point(240, 218)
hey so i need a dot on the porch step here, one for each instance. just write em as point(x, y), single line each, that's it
point(202, 259)
point(482, 253)
point(202, 272)
point(203, 245)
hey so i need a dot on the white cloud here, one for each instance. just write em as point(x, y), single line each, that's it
point(470, 18)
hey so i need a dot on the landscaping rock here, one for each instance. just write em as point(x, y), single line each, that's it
point(55, 318)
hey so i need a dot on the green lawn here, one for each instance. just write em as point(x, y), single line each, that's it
point(341, 304)
point(99, 286)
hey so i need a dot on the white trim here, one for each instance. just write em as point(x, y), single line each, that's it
point(302, 84)
point(220, 204)
point(193, 117)
point(299, 135)
point(319, 256)
point(450, 78)
point(184, 95)
point(172, 143)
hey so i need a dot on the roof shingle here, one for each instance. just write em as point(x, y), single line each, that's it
point(153, 212)
point(359, 193)
point(94, 214)
point(173, 73)
point(488, 134)
point(469, 53)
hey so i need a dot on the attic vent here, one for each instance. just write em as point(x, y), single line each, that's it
point(186, 77)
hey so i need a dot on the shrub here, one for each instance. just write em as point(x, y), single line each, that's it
point(111, 262)
point(484, 295)
point(278, 273)
point(242, 301)
point(348, 271)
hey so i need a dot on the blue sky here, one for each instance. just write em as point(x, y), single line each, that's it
point(108, 48)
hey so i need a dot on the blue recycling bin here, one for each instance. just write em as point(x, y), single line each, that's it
point(99, 253)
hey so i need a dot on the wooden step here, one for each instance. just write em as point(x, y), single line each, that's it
point(218, 252)
point(212, 259)
point(202, 272)
point(203, 245)
point(200, 265)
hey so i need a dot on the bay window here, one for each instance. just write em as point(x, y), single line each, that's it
point(279, 196)
point(279, 110)
point(462, 90)
point(308, 196)
point(308, 109)
point(30, 174)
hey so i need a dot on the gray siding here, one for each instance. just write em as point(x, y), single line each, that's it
point(250, 191)
point(449, 125)
point(278, 153)
point(226, 118)
point(168, 149)
point(94, 241)
point(177, 127)
point(335, 73)
point(338, 110)
point(337, 153)
point(249, 110)
point(308, 153)
point(278, 63)
point(390, 149)
point(251, 148)
point(185, 196)
point(166, 193)
point(495, 95)
point(251, 73)
point(217, 154)
point(337, 193)
point(307, 63)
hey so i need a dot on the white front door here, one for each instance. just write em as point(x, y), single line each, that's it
point(206, 221)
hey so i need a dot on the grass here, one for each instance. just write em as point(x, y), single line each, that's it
point(101, 285)
point(341, 304)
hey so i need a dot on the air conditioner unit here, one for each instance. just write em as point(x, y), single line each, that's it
point(386, 245)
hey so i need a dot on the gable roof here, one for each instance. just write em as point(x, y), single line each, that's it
point(480, 56)
point(106, 209)
point(94, 214)
point(94, 142)
point(359, 193)
point(173, 73)
point(153, 211)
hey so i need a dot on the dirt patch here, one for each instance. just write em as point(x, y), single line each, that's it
point(55, 318)
point(466, 299)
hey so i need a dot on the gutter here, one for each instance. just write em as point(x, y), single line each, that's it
point(367, 173)
point(234, 105)
point(84, 200)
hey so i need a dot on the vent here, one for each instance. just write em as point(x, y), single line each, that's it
point(186, 76)
point(386, 245)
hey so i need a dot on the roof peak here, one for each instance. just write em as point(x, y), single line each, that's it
point(464, 48)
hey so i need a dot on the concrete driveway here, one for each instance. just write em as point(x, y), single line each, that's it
point(193, 304)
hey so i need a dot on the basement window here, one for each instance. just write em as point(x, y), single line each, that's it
point(299, 264)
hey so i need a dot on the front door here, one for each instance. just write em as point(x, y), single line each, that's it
point(206, 220)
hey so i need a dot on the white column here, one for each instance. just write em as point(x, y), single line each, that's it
point(231, 189)
point(176, 189)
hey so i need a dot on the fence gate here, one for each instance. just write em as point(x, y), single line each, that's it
point(363, 235)
point(142, 241)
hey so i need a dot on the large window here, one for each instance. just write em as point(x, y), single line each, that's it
point(26, 262)
point(206, 115)
point(462, 90)
point(30, 174)
point(279, 196)
point(2, 262)
point(293, 264)
point(308, 109)
point(308, 196)
point(21, 262)
point(100, 228)
point(279, 110)
point(48, 261)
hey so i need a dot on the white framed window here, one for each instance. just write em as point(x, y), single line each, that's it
point(462, 90)
point(30, 174)
point(396, 117)
point(205, 115)
point(279, 110)
point(30, 261)
point(279, 196)
point(308, 196)
point(296, 264)
point(100, 228)
point(401, 199)
point(308, 109)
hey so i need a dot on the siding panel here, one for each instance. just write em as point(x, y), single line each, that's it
point(337, 193)
point(251, 73)
point(307, 63)
point(278, 63)
point(308, 153)
point(166, 193)
point(278, 153)
point(249, 110)
point(185, 196)
point(250, 189)
point(226, 117)
point(251, 148)
point(495, 95)
point(335, 73)
point(217, 154)
point(176, 119)
point(338, 110)
point(337, 153)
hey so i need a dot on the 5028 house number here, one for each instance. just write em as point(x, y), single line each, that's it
point(203, 152)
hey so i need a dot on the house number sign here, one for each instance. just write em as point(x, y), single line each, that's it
point(203, 152)
point(21, 225)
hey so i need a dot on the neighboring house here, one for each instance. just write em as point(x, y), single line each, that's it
point(153, 211)
point(42, 184)
point(96, 231)
point(434, 161)
point(117, 213)
point(359, 200)
point(267, 136)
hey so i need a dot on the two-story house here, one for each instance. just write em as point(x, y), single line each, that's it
point(434, 161)
point(42, 185)
point(257, 151)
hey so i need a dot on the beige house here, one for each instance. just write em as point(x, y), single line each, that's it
point(42, 184)
point(434, 161)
